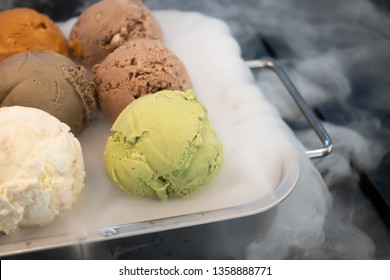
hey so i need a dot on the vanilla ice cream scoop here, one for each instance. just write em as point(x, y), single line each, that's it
point(41, 168)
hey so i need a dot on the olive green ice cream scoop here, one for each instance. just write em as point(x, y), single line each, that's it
point(163, 145)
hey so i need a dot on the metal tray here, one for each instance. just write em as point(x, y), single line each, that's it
point(260, 170)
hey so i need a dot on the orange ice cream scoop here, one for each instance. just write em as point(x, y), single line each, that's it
point(24, 29)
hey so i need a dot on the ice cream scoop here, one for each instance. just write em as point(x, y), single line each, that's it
point(51, 82)
point(24, 29)
point(135, 69)
point(163, 146)
point(41, 168)
point(108, 24)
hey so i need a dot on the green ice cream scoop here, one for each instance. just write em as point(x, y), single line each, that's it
point(163, 146)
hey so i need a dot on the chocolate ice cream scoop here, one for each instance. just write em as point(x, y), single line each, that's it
point(50, 82)
point(24, 29)
point(107, 24)
point(137, 68)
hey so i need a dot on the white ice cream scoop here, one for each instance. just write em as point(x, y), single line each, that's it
point(41, 168)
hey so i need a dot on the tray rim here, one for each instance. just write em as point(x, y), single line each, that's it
point(286, 185)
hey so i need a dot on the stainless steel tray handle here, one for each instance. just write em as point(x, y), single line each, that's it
point(302, 105)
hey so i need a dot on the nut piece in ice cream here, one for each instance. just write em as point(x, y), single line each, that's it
point(163, 146)
point(135, 69)
point(108, 24)
point(50, 82)
point(24, 29)
point(41, 168)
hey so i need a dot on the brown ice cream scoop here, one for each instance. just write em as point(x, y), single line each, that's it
point(24, 29)
point(107, 24)
point(51, 82)
point(137, 68)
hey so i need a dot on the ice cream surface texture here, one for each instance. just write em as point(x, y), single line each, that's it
point(108, 24)
point(137, 68)
point(41, 168)
point(163, 146)
point(24, 29)
point(50, 82)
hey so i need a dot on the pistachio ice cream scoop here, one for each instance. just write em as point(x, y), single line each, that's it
point(163, 145)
